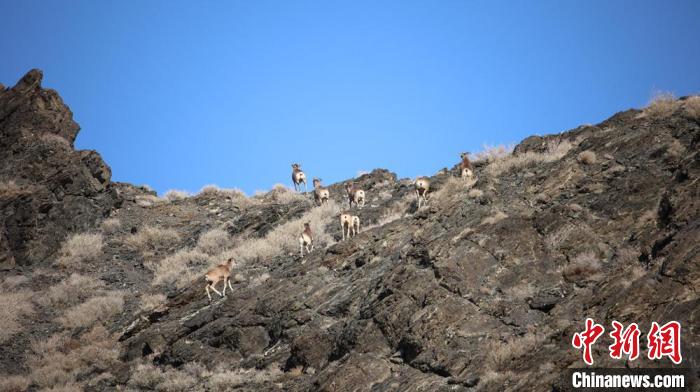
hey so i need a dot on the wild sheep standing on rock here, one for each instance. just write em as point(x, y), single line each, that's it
point(355, 195)
point(298, 177)
point(219, 273)
point(355, 224)
point(347, 224)
point(422, 187)
point(465, 166)
point(306, 239)
point(321, 195)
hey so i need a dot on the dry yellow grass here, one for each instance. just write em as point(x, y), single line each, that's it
point(691, 107)
point(496, 217)
point(71, 291)
point(15, 307)
point(284, 238)
point(175, 194)
point(555, 151)
point(148, 201)
point(452, 189)
point(662, 104)
point(492, 153)
point(179, 269)
point(149, 239)
point(57, 362)
point(587, 157)
point(502, 353)
point(280, 194)
point(55, 140)
point(93, 310)
point(10, 190)
point(80, 248)
point(150, 302)
point(475, 193)
point(14, 383)
point(214, 241)
point(110, 225)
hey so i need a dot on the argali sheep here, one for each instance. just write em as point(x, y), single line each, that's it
point(321, 195)
point(217, 274)
point(355, 195)
point(355, 225)
point(298, 177)
point(422, 187)
point(347, 224)
point(465, 167)
point(306, 239)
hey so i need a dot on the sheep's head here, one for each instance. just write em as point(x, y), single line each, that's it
point(465, 155)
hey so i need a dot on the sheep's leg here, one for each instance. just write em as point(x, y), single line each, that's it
point(229, 284)
point(211, 286)
point(208, 295)
point(224, 291)
point(301, 249)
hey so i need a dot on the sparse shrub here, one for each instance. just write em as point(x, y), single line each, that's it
point(475, 193)
point(14, 308)
point(179, 268)
point(71, 291)
point(283, 238)
point(10, 190)
point(384, 195)
point(175, 194)
point(452, 189)
point(148, 200)
point(662, 104)
point(56, 362)
point(14, 383)
point(691, 107)
point(492, 153)
point(555, 151)
point(214, 241)
point(496, 217)
point(584, 267)
point(281, 194)
point(111, 225)
point(501, 354)
point(227, 379)
point(150, 302)
point(11, 282)
point(93, 310)
point(79, 249)
point(587, 157)
point(150, 239)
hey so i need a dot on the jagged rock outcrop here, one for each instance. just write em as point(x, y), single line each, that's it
point(48, 188)
point(481, 290)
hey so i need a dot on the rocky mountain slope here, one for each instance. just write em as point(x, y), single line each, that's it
point(482, 289)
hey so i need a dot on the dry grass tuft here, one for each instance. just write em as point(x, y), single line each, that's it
point(95, 309)
point(14, 308)
point(587, 157)
point(555, 151)
point(79, 249)
point(10, 190)
point(492, 153)
point(179, 269)
point(475, 193)
point(111, 225)
point(496, 217)
point(226, 379)
point(584, 267)
point(55, 140)
point(58, 361)
point(151, 302)
point(501, 354)
point(662, 104)
point(14, 383)
point(71, 291)
point(147, 201)
point(691, 107)
point(175, 194)
point(214, 241)
point(284, 238)
point(280, 194)
point(452, 189)
point(150, 239)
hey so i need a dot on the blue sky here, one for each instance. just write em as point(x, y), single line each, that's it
point(182, 94)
